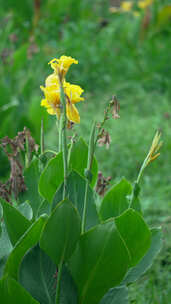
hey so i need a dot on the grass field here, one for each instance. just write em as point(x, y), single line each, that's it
point(119, 54)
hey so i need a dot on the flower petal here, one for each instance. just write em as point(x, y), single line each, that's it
point(73, 92)
point(72, 113)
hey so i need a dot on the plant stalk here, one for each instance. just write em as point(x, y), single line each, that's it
point(63, 139)
point(88, 173)
point(42, 143)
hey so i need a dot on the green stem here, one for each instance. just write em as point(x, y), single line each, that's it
point(88, 173)
point(42, 144)
point(142, 169)
point(58, 282)
point(63, 122)
point(136, 184)
point(64, 149)
point(59, 126)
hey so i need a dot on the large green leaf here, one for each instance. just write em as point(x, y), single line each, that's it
point(27, 241)
point(146, 262)
point(99, 262)
point(65, 222)
point(115, 201)
point(117, 295)
point(11, 292)
point(15, 222)
point(75, 193)
point(38, 275)
point(135, 233)
point(78, 160)
point(51, 177)
point(31, 178)
point(68, 290)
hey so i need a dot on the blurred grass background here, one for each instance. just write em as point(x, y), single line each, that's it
point(122, 53)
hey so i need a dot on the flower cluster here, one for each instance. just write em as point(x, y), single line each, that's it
point(52, 90)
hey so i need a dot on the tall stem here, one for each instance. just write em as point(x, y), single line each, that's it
point(64, 149)
point(42, 143)
point(135, 191)
point(88, 173)
point(62, 130)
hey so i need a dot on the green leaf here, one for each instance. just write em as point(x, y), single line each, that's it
point(37, 275)
point(51, 177)
point(146, 262)
point(11, 292)
point(78, 160)
point(115, 202)
point(135, 233)
point(25, 210)
point(31, 177)
point(75, 193)
point(2, 265)
point(136, 204)
point(15, 222)
point(5, 244)
point(117, 295)
point(45, 207)
point(99, 262)
point(65, 221)
point(27, 241)
point(68, 290)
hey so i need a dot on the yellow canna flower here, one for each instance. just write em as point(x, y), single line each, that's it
point(144, 3)
point(52, 100)
point(61, 65)
point(126, 6)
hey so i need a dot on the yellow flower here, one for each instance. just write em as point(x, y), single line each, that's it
point(126, 6)
point(61, 65)
point(52, 100)
point(144, 3)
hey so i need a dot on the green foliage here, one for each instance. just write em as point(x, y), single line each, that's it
point(37, 275)
point(93, 266)
point(51, 177)
point(28, 240)
point(135, 233)
point(156, 244)
point(107, 257)
point(75, 192)
point(11, 215)
point(31, 177)
point(12, 292)
point(116, 295)
point(66, 222)
point(115, 202)
point(78, 160)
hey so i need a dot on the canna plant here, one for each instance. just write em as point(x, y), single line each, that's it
point(64, 238)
